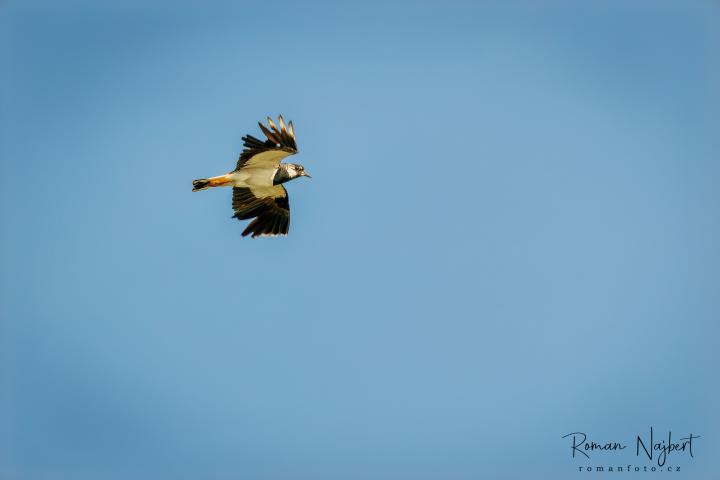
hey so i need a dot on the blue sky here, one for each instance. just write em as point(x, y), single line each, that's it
point(510, 234)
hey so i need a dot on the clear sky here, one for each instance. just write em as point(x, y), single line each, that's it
point(511, 234)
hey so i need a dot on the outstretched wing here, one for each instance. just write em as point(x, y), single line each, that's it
point(279, 144)
point(269, 206)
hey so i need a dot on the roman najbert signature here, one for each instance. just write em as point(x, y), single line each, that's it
point(658, 450)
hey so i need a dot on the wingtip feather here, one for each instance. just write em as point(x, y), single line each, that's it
point(270, 135)
point(272, 124)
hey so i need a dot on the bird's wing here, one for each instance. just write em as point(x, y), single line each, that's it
point(269, 206)
point(279, 144)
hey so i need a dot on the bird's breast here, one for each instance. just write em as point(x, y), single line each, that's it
point(253, 176)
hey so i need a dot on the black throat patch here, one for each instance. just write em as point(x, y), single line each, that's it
point(281, 176)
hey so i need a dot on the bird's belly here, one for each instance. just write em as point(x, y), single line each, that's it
point(249, 176)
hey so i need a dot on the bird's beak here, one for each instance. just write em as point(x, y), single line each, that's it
point(305, 174)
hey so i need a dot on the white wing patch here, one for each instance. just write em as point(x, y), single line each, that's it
point(271, 158)
point(274, 191)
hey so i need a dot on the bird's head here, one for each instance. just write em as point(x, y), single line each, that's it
point(296, 170)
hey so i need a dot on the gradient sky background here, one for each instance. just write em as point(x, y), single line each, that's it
point(511, 234)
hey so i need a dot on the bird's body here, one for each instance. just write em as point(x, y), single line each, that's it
point(257, 180)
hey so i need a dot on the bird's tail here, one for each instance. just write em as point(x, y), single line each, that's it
point(203, 183)
point(200, 184)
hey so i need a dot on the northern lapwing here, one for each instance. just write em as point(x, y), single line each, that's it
point(257, 180)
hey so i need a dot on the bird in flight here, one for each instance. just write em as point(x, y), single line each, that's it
point(257, 180)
